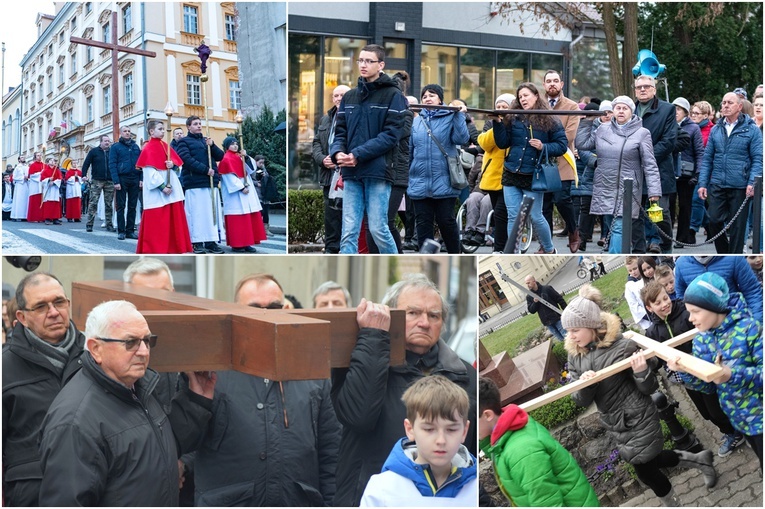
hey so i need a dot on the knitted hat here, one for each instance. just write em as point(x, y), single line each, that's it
point(606, 106)
point(583, 312)
point(708, 291)
point(741, 91)
point(506, 98)
point(228, 141)
point(623, 99)
point(683, 103)
point(591, 107)
point(436, 89)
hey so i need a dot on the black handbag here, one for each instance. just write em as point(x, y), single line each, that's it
point(456, 173)
point(546, 177)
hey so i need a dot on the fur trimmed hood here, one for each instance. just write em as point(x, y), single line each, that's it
point(613, 330)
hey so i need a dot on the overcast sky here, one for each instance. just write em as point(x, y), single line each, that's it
point(19, 33)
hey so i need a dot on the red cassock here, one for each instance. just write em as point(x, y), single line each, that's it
point(34, 211)
point(51, 209)
point(73, 203)
point(242, 228)
point(163, 228)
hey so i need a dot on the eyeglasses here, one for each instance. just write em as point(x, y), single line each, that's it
point(60, 304)
point(132, 344)
point(272, 305)
point(696, 112)
point(366, 61)
point(643, 87)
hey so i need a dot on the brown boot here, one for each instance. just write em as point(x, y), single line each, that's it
point(573, 241)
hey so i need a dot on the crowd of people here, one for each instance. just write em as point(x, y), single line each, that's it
point(183, 198)
point(380, 159)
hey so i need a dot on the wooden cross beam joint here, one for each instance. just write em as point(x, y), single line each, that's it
point(197, 334)
point(697, 367)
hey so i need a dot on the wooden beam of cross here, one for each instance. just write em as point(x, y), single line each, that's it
point(197, 334)
point(115, 47)
point(697, 367)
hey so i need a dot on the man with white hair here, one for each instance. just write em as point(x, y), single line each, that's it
point(106, 441)
point(331, 295)
point(149, 272)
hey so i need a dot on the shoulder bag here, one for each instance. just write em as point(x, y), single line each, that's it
point(546, 177)
point(456, 173)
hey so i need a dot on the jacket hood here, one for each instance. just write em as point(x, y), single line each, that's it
point(738, 311)
point(367, 87)
point(629, 128)
point(613, 332)
point(513, 418)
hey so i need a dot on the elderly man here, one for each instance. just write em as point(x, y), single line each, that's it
point(41, 355)
point(547, 316)
point(149, 272)
point(331, 295)
point(732, 160)
point(95, 168)
point(271, 443)
point(367, 394)
point(106, 441)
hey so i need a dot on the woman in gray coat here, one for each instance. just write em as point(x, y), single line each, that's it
point(624, 151)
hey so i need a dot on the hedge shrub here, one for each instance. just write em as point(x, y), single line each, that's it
point(306, 216)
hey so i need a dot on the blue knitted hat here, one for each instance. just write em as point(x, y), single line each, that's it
point(708, 291)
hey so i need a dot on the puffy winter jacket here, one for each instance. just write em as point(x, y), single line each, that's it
point(367, 399)
point(370, 123)
point(532, 468)
point(695, 152)
point(193, 150)
point(585, 169)
point(623, 399)
point(123, 156)
point(523, 157)
point(428, 168)
point(493, 162)
point(732, 161)
point(29, 387)
point(660, 121)
point(623, 152)
point(738, 342)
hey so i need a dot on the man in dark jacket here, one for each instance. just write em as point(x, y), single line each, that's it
point(659, 118)
point(367, 394)
point(270, 443)
point(100, 179)
point(732, 160)
point(547, 316)
point(370, 123)
point(128, 181)
point(41, 355)
point(195, 178)
point(106, 440)
point(325, 135)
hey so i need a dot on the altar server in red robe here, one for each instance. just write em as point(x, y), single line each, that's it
point(34, 210)
point(73, 194)
point(50, 180)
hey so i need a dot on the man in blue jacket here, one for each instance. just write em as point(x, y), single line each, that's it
point(732, 159)
point(370, 122)
point(123, 156)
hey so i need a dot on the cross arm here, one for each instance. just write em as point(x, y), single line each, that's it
point(113, 47)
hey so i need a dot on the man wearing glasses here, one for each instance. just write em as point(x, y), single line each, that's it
point(106, 440)
point(659, 118)
point(41, 355)
point(370, 123)
point(270, 443)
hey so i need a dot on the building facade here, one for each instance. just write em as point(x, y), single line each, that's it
point(11, 127)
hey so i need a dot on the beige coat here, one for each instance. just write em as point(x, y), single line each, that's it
point(570, 124)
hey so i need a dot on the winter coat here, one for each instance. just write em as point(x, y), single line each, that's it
point(705, 126)
point(732, 162)
point(123, 156)
point(320, 146)
point(733, 269)
point(676, 323)
point(586, 164)
point(695, 153)
point(493, 162)
point(29, 387)
point(660, 121)
point(738, 340)
point(269, 443)
point(523, 157)
point(532, 468)
point(193, 150)
point(97, 161)
point(623, 153)
point(406, 483)
point(570, 126)
point(428, 167)
point(546, 315)
point(367, 399)
point(624, 399)
point(105, 445)
point(370, 123)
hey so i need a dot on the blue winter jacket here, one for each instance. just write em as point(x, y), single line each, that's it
point(428, 167)
point(733, 269)
point(522, 157)
point(695, 153)
point(732, 162)
point(738, 340)
point(192, 148)
point(122, 158)
point(370, 123)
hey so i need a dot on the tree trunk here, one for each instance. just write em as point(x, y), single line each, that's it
point(614, 64)
point(630, 45)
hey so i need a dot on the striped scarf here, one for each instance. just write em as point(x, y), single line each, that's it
point(57, 355)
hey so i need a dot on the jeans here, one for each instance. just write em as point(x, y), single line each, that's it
point(127, 196)
point(513, 198)
point(442, 210)
point(396, 194)
point(699, 218)
point(333, 225)
point(96, 186)
point(371, 196)
point(557, 330)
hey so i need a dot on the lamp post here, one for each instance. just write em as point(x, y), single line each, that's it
point(169, 111)
point(239, 118)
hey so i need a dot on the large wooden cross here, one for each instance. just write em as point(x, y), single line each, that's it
point(115, 47)
point(197, 334)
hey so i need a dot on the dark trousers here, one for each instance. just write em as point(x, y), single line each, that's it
point(685, 199)
point(755, 441)
point(651, 474)
point(410, 231)
point(333, 225)
point(396, 193)
point(127, 195)
point(442, 210)
point(586, 221)
point(708, 406)
point(500, 219)
point(665, 225)
point(562, 200)
point(723, 204)
point(264, 212)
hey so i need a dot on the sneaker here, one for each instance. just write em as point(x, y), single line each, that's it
point(730, 442)
point(213, 247)
point(198, 248)
point(89, 229)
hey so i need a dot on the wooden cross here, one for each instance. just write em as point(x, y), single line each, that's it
point(197, 334)
point(116, 48)
point(697, 367)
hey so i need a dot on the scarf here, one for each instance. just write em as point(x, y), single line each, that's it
point(57, 355)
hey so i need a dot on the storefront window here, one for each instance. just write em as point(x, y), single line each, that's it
point(512, 70)
point(590, 74)
point(540, 64)
point(476, 77)
point(439, 65)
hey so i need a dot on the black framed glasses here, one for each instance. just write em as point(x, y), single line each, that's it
point(366, 61)
point(60, 304)
point(132, 344)
point(643, 87)
point(272, 305)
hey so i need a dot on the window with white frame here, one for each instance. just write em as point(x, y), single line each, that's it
point(74, 24)
point(190, 19)
point(127, 86)
point(127, 19)
point(74, 63)
point(230, 27)
point(193, 92)
point(88, 54)
point(50, 81)
point(89, 108)
point(107, 32)
point(234, 95)
point(107, 99)
point(61, 73)
point(88, 7)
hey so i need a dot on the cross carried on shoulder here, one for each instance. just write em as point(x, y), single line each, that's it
point(197, 334)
